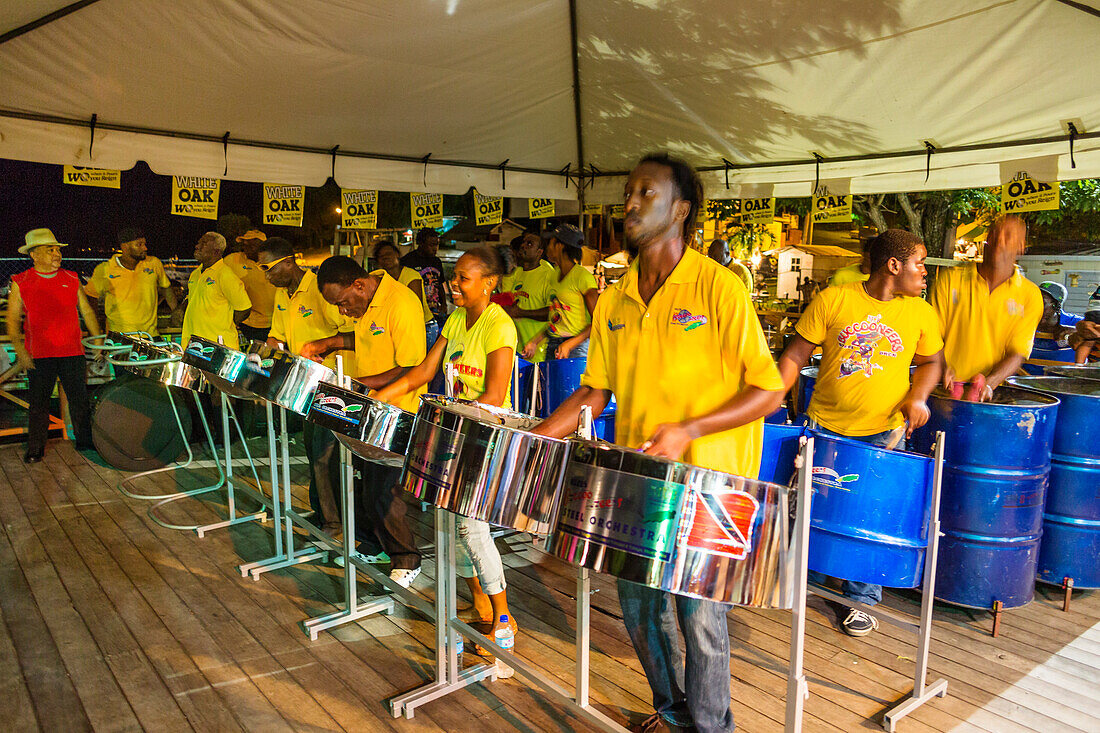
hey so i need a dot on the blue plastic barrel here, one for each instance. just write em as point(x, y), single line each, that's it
point(996, 466)
point(807, 379)
point(559, 378)
point(1070, 547)
point(871, 510)
point(1047, 350)
point(521, 388)
point(780, 446)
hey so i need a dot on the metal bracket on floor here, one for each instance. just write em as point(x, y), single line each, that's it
point(354, 607)
point(1067, 586)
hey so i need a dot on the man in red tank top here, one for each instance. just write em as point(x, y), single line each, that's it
point(52, 301)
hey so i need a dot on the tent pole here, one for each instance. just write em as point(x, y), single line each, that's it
point(577, 111)
point(45, 20)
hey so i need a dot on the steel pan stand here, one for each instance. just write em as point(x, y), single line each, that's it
point(797, 689)
point(285, 553)
point(922, 691)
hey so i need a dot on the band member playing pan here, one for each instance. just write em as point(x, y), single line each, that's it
point(677, 342)
point(480, 340)
point(870, 333)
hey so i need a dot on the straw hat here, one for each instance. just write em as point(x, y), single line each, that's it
point(39, 238)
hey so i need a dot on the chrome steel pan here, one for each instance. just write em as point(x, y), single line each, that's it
point(161, 364)
point(479, 462)
point(220, 364)
point(281, 377)
point(1078, 371)
point(370, 429)
point(676, 527)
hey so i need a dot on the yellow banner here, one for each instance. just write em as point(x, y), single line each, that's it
point(427, 210)
point(593, 208)
point(358, 209)
point(98, 177)
point(195, 196)
point(758, 211)
point(618, 211)
point(540, 208)
point(283, 204)
point(488, 209)
point(830, 206)
point(1024, 193)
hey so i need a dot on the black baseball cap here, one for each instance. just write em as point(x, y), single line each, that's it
point(567, 234)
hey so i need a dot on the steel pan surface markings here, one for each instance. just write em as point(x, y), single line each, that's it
point(370, 429)
point(675, 527)
point(167, 366)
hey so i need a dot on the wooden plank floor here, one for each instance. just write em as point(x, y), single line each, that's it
point(110, 622)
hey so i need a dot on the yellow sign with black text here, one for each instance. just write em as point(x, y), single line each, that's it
point(593, 208)
point(283, 204)
point(618, 211)
point(99, 177)
point(358, 208)
point(488, 209)
point(831, 207)
point(427, 210)
point(195, 196)
point(1024, 193)
point(540, 208)
point(758, 211)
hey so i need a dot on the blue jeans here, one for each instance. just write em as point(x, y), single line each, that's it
point(553, 342)
point(866, 593)
point(431, 333)
point(698, 694)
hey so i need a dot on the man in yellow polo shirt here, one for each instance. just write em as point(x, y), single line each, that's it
point(260, 291)
point(988, 311)
point(857, 273)
point(529, 283)
point(676, 315)
point(300, 316)
point(131, 284)
point(870, 333)
point(216, 299)
point(389, 339)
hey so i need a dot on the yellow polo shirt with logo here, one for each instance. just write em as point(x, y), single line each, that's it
point(391, 334)
point(260, 291)
point(304, 316)
point(469, 349)
point(867, 346)
point(568, 313)
point(406, 277)
point(980, 327)
point(531, 289)
point(213, 295)
point(849, 274)
point(130, 297)
point(696, 345)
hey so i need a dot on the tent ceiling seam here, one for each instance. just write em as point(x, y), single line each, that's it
point(45, 20)
point(1080, 6)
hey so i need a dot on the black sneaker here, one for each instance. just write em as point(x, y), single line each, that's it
point(859, 623)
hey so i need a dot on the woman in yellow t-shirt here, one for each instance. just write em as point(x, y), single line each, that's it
point(572, 296)
point(388, 257)
point(479, 339)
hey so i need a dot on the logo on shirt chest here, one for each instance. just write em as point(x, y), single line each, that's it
point(376, 330)
point(148, 270)
point(1014, 307)
point(209, 281)
point(684, 317)
point(304, 312)
point(860, 342)
point(611, 326)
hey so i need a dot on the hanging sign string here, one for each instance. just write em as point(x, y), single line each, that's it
point(818, 160)
point(728, 165)
point(424, 160)
point(1073, 133)
point(225, 152)
point(503, 172)
point(930, 148)
point(91, 140)
point(333, 154)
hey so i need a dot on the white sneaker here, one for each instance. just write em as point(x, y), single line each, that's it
point(380, 559)
point(404, 577)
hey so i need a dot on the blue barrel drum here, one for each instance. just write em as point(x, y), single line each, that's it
point(559, 378)
point(997, 461)
point(1070, 547)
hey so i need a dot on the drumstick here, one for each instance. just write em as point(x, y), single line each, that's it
point(895, 437)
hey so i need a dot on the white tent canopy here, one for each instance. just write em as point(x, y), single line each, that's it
point(747, 91)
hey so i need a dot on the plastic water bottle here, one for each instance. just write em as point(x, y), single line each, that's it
point(459, 646)
point(505, 638)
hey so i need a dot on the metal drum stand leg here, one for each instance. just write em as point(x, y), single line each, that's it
point(288, 556)
point(797, 689)
point(922, 692)
point(231, 497)
point(354, 608)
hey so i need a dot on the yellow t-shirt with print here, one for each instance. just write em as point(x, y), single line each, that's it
point(406, 277)
point(867, 347)
point(531, 289)
point(213, 295)
point(304, 316)
point(391, 334)
point(695, 345)
point(130, 297)
point(469, 349)
point(568, 313)
point(980, 327)
point(260, 291)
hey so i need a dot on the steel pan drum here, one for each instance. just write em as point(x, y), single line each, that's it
point(676, 527)
point(1079, 371)
point(220, 364)
point(779, 451)
point(1070, 547)
point(997, 461)
point(871, 511)
point(281, 377)
point(166, 367)
point(479, 462)
point(370, 429)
